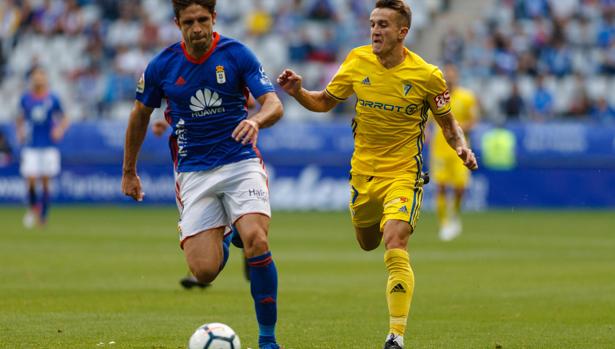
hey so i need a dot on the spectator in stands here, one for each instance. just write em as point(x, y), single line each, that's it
point(602, 112)
point(608, 63)
point(10, 20)
point(505, 60)
point(259, 21)
point(580, 104)
point(542, 101)
point(322, 10)
point(513, 107)
point(6, 152)
point(452, 47)
point(557, 59)
point(606, 29)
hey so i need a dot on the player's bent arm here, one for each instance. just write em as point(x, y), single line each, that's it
point(317, 101)
point(20, 128)
point(456, 139)
point(452, 131)
point(60, 129)
point(271, 110)
point(135, 134)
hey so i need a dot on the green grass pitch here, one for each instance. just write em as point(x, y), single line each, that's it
point(515, 279)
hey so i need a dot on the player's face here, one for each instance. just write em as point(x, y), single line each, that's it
point(197, 26)
point(39, 79)
point(386, 30)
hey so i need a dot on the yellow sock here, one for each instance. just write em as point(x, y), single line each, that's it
point(441, 208)
point(400, 288)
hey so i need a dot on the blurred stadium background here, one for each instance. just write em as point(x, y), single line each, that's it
point(519, 277)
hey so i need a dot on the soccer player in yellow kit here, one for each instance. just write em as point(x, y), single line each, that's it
point(395, 89)
point(446, 169)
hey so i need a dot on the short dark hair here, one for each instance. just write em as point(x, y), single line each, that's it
point(400, 6)
point(179, 5)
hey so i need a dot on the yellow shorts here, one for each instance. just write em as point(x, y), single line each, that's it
point(376, 200)
point(449, 170)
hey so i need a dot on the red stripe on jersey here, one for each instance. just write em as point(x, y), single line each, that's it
point(216, 38)
point(174, 150)
point(260, 157)
point(178, 196)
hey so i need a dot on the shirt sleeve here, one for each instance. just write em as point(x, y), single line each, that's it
point(438, 95)
point(149, 90)
point(22, 105)
point(57, 107)
point(340, 87)
point(253, 73)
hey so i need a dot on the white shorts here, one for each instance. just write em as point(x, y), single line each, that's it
point(40, 162)
point(219, 197)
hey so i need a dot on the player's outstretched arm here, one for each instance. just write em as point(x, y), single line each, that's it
point(317, 101)
point(456, 139)
point(270, 112)
point(135, 134)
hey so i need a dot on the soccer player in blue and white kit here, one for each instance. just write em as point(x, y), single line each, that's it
point(40, 125)
point(220, 180)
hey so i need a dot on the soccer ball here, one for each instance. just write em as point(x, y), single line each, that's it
point(214, 336)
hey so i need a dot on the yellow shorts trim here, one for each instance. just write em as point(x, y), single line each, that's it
point(376, 200)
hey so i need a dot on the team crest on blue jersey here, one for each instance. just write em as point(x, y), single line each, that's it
point(141, 84)
point(220, 75)
point(264, 78)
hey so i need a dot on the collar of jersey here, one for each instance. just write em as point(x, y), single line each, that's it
point(206, 55)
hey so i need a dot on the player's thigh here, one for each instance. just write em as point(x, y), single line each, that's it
point(200, 209)
point(403, 201)
point(366, 210)
point(30, 165)
point(365, 205)
point(204, 253)
point(50, 162)
point(244, 190)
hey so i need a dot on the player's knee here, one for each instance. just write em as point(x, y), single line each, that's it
point(369, 238)
point(205, 274)
point(369, 245)
point(256, 242)
point(396, 234)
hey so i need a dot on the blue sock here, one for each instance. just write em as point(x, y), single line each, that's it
point(44, 206)
point(32, 197)
point(264, 287)
point(235, 238)
point(225, 250)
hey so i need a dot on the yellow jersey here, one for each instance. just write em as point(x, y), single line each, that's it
point(463, 107)
point(391, 110)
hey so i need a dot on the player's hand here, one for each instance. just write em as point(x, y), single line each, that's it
point(467, 156)
point(159, 127)
point(131, 186)
point(57, 134)
point(290, 82)
point(246, 132)
point(21, 136)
